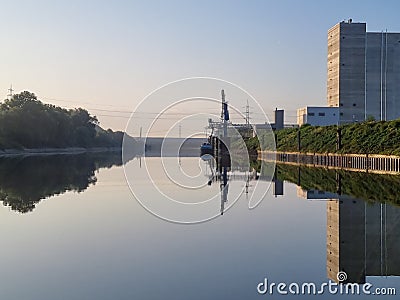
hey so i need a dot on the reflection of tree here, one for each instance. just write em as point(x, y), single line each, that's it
point(24, 181)
point(360, 185)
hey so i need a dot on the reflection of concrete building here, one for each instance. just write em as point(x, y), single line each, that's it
point(277, 187)
point(345, 239)
point(383, 240)
point(362, 239)
point(315, 194)
point(318, 115)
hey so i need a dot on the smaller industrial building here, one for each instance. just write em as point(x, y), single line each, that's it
point(315, 194)
point(318, 115)
point(277, 125)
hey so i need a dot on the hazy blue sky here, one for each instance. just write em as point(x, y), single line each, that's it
point(98, 53)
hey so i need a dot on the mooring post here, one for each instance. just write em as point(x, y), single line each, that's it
point(338, 183)
point(298, 140)
point(338, 138)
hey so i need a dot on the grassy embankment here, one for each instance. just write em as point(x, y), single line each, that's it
point(370, 137)
point(359, 138)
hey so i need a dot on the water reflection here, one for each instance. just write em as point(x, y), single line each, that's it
point(363, 219)
point(222, 171)
point(26, 180)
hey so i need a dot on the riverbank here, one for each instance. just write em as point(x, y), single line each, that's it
point(54, 151)
point(381, 137)
point(372, 163)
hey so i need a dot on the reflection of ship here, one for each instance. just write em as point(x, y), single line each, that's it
point(205, 149)
point(223, 175)
point(217, 147)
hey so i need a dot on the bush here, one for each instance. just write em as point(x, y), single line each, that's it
point(373, 137)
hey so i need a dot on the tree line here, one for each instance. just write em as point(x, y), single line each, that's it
point(26, 122)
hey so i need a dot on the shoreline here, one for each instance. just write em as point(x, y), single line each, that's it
point(55, 151)
point(373, 163)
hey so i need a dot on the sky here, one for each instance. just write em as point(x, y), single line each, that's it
point(106, 56)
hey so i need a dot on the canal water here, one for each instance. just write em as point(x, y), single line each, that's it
point(70, 228)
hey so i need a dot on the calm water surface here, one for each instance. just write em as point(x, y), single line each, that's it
point(71, 229)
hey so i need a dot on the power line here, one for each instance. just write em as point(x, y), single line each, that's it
point(150, 118)
point(79, 102)
point(127, 111)
point(126, 114)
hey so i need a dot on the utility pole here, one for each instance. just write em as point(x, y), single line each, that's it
point(10, 93)
point(298, 140)
point(223, 156)
point(338, 183)
point(247, 112)
point(338, 138)
point(224, 114)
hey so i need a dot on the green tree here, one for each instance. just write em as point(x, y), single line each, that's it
point(26, 122)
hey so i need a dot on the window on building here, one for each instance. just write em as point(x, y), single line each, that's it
point(311, 114)
point(341, 114)
point(341, 104)
point(354, 104)
point(321, 114)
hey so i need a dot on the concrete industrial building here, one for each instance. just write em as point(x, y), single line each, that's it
point(363, 73)
point(318, 115)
